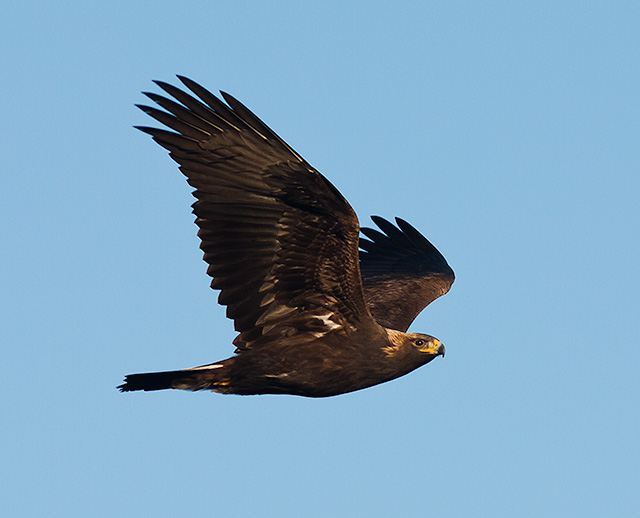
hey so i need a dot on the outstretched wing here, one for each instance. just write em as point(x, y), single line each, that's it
point(402, 272)
point(281, 241)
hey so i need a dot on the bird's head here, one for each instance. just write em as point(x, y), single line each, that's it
point(426, 344)
point(415, 345)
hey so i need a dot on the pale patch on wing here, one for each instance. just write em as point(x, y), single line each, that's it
point(327, 324)
point(276, 312)
point(326, 320)
point(284, 375)
point(206, 367)
point(304, 320)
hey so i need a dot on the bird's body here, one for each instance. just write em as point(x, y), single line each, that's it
point(318, 368)
point(315, 318)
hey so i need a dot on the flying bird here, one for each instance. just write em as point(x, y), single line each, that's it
point(315, 315)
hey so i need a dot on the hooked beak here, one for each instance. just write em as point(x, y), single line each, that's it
point(436, 350)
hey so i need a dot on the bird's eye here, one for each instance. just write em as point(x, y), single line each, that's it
point(419, 342)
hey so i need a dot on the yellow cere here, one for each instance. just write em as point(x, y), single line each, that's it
point(436, 344)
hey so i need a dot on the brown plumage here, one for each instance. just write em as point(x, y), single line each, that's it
point(314, 317)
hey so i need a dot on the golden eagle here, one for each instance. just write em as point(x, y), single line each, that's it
point(315, 316)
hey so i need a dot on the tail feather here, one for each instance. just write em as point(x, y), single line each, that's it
point(207, 377)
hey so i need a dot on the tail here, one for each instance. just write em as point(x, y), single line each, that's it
point(206, 377)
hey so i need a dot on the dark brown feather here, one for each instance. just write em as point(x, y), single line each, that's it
point(402, 272)
point(281, 244)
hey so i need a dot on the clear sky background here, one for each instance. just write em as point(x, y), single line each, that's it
point(507, 132)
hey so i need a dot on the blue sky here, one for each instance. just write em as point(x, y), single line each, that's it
point(506, 131)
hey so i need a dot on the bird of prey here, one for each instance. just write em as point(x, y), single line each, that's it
point(316, 317)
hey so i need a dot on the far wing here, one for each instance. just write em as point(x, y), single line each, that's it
point(402, 272)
